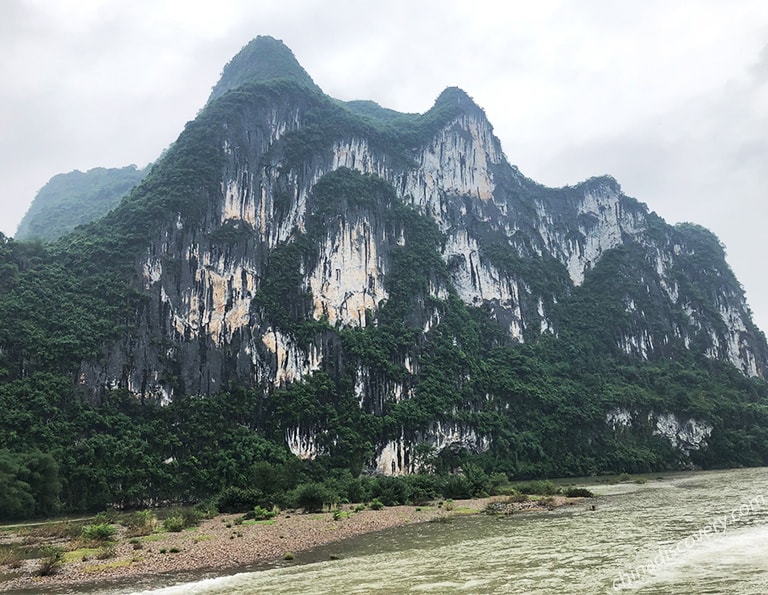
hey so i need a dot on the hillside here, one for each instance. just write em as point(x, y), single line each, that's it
point(75, 198)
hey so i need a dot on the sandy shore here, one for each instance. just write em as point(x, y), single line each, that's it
point(220, 544)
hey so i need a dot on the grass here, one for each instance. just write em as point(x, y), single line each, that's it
point(203, 537)
point(78, 554)
point(11, 555)
point(464, 510)
point(154, 537)
point(249, 523)
point(108, 566)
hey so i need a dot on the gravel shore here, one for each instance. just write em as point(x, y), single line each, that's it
point(222, 543)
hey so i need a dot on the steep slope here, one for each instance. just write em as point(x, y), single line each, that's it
point(510, 245)
point(71, 199)
point(263, 59)
point(395, 295)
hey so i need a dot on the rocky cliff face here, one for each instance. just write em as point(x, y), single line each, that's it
point(510, 247)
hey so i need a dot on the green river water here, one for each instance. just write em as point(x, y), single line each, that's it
point(699, 532)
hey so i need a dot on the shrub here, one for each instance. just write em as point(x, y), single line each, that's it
point(376, 504)
point(106, 517)
point(505, 491)
point(174, 524)
point(207, 509)
point(547, 502)
point(179, 519)
point(339, 514)
point(99, 533)
point(288, 556)
point(51, 561)
point(191, 517)
point(262, 514)
point(106, 552)
point(312, 497)
point(358, 489)
point(498, 482)
point(541, 487)
point(479, 483)
point(9, 555)
point(391, 491)
point(423, 488)
point(239, 500)
point(578, 493)
point(140, 523)
point(457, 486)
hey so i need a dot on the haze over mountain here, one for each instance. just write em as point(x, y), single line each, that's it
point(71, 199)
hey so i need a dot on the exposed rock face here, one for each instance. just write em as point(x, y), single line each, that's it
point(202, 325)
point(401, 457)
point(684, 434)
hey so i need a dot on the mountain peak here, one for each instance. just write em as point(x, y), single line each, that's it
point(454, 96)
point(262, 59)
point(604, 182)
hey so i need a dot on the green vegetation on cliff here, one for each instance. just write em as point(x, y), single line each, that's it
point(541, 405)
point(423, 361)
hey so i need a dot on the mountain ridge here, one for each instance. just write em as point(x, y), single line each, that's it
point(385, 292)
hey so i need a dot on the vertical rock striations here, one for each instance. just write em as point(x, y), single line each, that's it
point(301, 245)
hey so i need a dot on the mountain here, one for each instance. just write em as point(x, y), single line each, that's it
point(263, 59)
point(300, 278)
point(74, 198)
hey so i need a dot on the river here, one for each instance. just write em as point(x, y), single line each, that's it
point(698, 532)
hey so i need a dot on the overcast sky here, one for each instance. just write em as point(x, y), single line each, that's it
point(670, 97)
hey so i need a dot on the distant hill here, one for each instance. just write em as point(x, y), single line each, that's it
point(74, 198)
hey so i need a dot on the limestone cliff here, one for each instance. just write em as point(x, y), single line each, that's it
point(289, 247)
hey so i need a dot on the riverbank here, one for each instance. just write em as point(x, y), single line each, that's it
point(222, 544)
